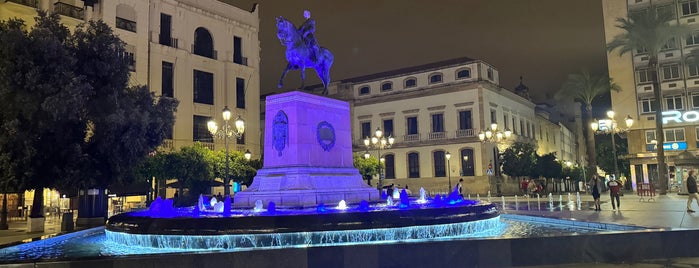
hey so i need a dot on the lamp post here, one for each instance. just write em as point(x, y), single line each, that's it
point(493, 134)
point(609, 126)
point(227, 131)
point(448, 156)
point(378, 142)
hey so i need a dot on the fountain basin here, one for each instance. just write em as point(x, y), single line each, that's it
point(287, 221)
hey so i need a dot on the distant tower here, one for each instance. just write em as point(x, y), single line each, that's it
point(522, 90)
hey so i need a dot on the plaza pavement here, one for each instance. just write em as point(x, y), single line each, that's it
point(668, 211)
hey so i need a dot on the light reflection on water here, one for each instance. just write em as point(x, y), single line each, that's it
point(93, 242)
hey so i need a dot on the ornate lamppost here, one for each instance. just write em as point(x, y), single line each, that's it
point(609, 126)
point(378, 142)
point(225, 132)
point(495, 135)
point(448, 156)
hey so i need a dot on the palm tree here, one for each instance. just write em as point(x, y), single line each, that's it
point(584, 88)
point(649, 32)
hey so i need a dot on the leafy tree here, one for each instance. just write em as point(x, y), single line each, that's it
point(519, 160)
point(368, 167)
point(192, 170)
point(584, 88)
point(548, 167)
point(606, 156)
point(240, 169)
point(649, 31)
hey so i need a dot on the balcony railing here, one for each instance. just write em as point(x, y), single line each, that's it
point(29, 3)
point(241, 60)
point(213, 54)
point(209, 145)
point(125, 24)
point(465, 133)
point(168, 144)
point(69, 10)
point(437, 135)
point(411, 138)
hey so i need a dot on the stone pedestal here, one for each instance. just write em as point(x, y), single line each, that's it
point(308, 155)
point(35, 225)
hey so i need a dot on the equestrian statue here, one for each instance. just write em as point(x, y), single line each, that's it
point(302, 50)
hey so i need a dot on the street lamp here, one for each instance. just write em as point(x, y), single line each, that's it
point(227, 131)
point(378, 142)
point(448, 156)
point(247, 154)
point(609, 126)
point(495, 135)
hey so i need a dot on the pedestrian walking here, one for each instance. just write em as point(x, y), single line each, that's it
point(614, 193)
point(595, 188)
point(692, 191)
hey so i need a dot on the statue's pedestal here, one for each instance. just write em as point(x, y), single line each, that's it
point(308, 155)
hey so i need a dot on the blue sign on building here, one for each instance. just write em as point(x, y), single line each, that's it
point(669, 146)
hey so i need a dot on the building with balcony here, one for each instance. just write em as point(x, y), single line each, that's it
point(433, 109)
point(679, 85)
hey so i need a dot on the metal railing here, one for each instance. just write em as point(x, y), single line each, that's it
point(29, 3)
point(204, 53)
point(69, 10)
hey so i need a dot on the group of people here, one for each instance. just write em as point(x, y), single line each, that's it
point(531, 187)
point(596, 187)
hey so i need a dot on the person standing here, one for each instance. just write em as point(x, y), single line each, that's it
point(595, 188)
point(524, 185)
point(614, 193)
point(692, 191)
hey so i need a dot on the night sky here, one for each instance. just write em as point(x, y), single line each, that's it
point(542, 40)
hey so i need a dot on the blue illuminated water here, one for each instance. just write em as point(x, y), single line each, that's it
point(94, 243)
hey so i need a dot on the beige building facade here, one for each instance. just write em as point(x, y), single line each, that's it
point(679, 85)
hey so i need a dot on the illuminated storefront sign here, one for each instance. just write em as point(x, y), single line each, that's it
point(669, 146)
point(680, 117)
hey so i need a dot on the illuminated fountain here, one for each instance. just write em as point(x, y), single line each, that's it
point(308, 164)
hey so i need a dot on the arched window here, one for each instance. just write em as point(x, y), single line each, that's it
point(387, 86)
point(413, 165)
point(364, 90)
point(463, 73)
point(390, 162)
point(439, 164)
point(435, 78)
point(410, 82)
point(467, 162)
point(203, 43)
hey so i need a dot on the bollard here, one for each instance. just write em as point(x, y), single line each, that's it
point(67, 222)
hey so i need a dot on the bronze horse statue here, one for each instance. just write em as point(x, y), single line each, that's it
point(303, 52)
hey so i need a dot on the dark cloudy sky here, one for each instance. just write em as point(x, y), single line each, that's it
point(543, 40)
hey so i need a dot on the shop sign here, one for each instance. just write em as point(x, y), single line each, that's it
point(680, 117)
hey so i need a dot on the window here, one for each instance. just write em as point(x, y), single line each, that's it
point(238, 50)
point(521, 127)
point(364, 90)
point(696, 131)
point(493, 116)
point(674, 102)
point(465, 120)
point(438, 123)
point(435, 78)
point(692, 70)
point(240, 140)
point(203, 43)
point(203, 87)
point(465, 73)
point(386, 86)
point(439, 164)
point(467, 163)
point(490, 73)
point(200, 130)
point(667, 9)
point(648, 105)
point(644, 75)
point(692, 39)
point(674, 135)
point(240, 93)
point(130, 57)
point(126, 18)
point(689, 7)
point(534, 131)
point(695, 101)
point(412, 125)
point(388, 127)
point(366, 130)
point(410, 82)
point(390, 165)
point(165, 29)
point(650, 136)
point(514, 125)
point(642, 50)
point(670, 44)
point(506, 119)
point(167, 89)
point(413, 165)
point(671, 71)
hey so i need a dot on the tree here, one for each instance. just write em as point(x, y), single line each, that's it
point(649, 31)
point(368, 167)
point(240, 169)
point(519, 160)
point(548, 167)
point(584, 88)
point(606, 155)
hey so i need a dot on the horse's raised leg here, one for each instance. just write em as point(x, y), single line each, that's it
point(281, 80)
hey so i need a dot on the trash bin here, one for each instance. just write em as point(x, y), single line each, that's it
point(67, 222)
